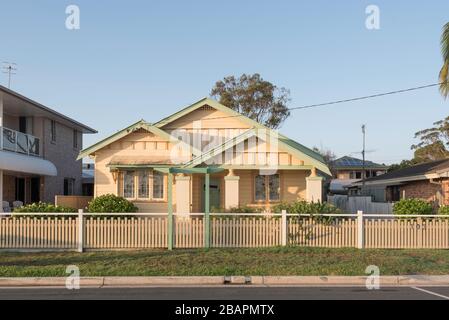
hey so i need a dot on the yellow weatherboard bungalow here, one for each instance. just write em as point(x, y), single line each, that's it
point(205, 156)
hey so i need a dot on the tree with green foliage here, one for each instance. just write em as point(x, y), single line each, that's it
point(433, 142)
point(444, 72)
point(255, 98)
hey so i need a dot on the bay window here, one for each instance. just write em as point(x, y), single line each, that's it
point(142, 185)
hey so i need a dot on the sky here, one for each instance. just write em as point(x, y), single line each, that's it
point(148, 59)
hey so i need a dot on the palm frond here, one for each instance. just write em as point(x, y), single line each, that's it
point(444, 79)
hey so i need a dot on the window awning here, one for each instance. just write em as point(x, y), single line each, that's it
point(11, 161)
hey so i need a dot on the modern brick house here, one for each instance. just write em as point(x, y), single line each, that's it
point(205, 156)
point(38, 151)
point(428, 181)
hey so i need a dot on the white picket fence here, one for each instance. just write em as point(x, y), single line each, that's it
point(141, 230)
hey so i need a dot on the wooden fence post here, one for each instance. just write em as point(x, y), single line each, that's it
point(80, 230)
point(170, 212)
point(360, 230)
point(284, 228)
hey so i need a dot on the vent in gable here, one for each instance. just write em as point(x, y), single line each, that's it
point(207, 108)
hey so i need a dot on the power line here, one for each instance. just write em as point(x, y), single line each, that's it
point(347, 100)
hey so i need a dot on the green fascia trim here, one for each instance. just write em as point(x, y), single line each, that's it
point(220, 148)
point(141, 124)
point(210, 102)
point(102, 143)
point(190, 170)
point(138, 166)
point(218, 106)
point(255, 167)
point(246, 135)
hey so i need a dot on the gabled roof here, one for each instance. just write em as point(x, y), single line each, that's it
point(355, 163)
point(418, 172)
point(248, 134)
point(252, 123)
point(141, 124)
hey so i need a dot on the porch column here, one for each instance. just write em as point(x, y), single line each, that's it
point(231, 190)
point(183, 194)
point(314, 187)
point(206, 210)
point(170, 212)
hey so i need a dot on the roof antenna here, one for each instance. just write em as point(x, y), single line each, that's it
point(10, 68)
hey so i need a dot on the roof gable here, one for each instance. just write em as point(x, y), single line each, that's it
point(263, 134)
point(252, 123)
point(142, 124)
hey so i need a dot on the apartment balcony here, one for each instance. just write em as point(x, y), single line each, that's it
point(20, 153)
point(19, 142)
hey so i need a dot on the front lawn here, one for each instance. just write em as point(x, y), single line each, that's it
point(263, 261)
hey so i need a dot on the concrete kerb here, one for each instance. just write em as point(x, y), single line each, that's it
point(407, 280)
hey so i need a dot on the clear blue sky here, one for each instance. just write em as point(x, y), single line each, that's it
point(147, 59)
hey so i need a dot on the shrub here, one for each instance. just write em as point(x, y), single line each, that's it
point(412, 206)
point(110, 203)
point(443, 210)
point(242, 209)
point(306, 207)
point(42, 207)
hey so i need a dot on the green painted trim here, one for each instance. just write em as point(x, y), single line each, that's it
point(142, 124)
point(249, 133)
point(255, 167)
point(220, 148)
point(170, 212)
point(210, 102)
point(137, 166)
point(207, 211)
point(108, 140)
point(218, 106)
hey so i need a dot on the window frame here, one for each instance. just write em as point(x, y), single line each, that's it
point(136, 177)
point(133, 182)
point(53, 131)
point(267, 189)
point(70, 187)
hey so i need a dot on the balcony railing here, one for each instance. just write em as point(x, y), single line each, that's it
point(19, 142)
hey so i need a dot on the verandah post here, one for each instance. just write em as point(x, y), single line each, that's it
point(284, 228)
point(206, 211)
point(170, 212)
point(360, 230)
point(80, 231)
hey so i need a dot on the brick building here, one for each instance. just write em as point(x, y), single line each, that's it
point(427, 181)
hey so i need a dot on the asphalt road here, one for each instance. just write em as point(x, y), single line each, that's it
point(229, 293)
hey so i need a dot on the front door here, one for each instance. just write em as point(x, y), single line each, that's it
point(214, 194)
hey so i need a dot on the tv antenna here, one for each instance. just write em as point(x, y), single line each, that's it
point(10, 68)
